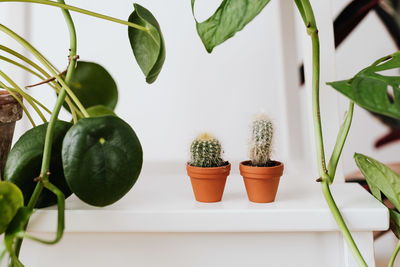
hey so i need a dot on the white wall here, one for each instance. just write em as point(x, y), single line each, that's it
point(194, 92)
point(197, 91)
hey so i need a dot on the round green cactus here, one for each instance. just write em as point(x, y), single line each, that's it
point(206, 151)
point(261, 140)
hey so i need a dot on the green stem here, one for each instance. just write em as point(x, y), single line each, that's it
point(341, 139)
point(45, 62)
point(301, 10)
point(54, 85)
point(23, 94)
point(341, 224)
point(19, 65)
point(395, 252)
point(20, 102)
point(60, 214)
point(313, 32)
point(25, 59)
point(83, 11)
point(53, 119)
point(28, 96)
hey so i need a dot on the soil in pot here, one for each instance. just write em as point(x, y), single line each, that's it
point(10, 112)
point(208, 183)
point(261, 182)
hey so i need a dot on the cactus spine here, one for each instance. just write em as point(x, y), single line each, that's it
point(261, 141)
point(206, 151)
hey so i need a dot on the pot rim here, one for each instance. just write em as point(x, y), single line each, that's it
point(254, 172)
point(7, 98)
point(264, 167)
point(208, 172)
point(220, 167)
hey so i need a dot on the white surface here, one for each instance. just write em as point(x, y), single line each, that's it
point(165, 203)
point(300, 249)
point(160, 224)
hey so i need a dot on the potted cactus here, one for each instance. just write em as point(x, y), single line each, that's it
point(207, 170)
point(261, 175)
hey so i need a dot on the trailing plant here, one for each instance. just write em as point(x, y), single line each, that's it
point(369, 89)
point(262, 132)
point(206, 151)
point(54, 159)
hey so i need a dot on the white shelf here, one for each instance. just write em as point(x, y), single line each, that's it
point(162, 201)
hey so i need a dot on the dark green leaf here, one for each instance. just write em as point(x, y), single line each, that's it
point(148, 47)
point(25, 160)
point(372, 90)
point(230, 17)
point(93, 85)
point(380, 178)
point(102, 159)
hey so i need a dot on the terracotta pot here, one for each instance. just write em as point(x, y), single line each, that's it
point(261, 182)
point(208, 183)
point(10, 112)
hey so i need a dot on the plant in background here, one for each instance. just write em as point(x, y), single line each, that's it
point(262, 132)
point(369, 89)
point(206, 168)
point(56, 158)
point(261, 175)
point(206, 151)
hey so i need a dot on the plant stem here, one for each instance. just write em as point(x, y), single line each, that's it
point(25, 59)
point(23, 94)
point(53, 84)
point(50, 128)
point(341, 224)
point(312, 30)
point(83, 11)
point(46, 63)
point(28, 96)
point(19, 65)
point(19, 102)
point(395, 252)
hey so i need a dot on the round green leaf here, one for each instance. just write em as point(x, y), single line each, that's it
point(102, 159)
point(148, 47)
point(93, 85)
point(11, 199)
point(25, 160)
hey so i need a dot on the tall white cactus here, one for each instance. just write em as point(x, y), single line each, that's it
point(261, 140)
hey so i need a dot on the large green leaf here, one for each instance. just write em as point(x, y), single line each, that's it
point(93, 85)
point(25, 160)
point(380, 177)
point(230, 17)
point(148, 47)
point(373, 90)
point(102, 159)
